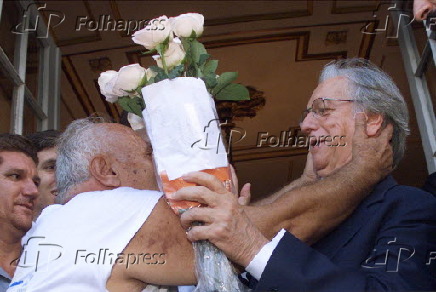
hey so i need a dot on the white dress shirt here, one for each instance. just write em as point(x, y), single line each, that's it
point(258, 263)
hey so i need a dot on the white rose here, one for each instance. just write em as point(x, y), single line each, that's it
point(154, 33)
point(184, 24)
point(129, 77)
point(135, 121)
point(174, 55)
point(105, 82)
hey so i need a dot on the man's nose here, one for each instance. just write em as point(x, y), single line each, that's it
point(30, 189)
point(422, 9)
point(309, 124)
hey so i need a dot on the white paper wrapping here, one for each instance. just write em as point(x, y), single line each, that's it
point(183, 128)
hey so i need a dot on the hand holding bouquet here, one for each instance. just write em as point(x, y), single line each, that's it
point(175, 99)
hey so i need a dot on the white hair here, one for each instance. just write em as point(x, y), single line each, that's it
point(77, 145)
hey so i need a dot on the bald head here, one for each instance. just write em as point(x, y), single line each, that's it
point(97, 156)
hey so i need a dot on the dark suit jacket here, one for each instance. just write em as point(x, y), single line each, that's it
point(385, 245)
point(430, 184)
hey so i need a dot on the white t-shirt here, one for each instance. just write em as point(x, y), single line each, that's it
point(73, 247)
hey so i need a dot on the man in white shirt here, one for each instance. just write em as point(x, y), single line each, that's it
point(114, 231)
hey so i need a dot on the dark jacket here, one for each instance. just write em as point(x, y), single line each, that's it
point(387, 244)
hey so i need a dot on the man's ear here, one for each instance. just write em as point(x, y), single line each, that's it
point(374, 124)
point(102, 171)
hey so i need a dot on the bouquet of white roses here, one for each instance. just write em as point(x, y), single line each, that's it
point(175, 98)
point(179, 54)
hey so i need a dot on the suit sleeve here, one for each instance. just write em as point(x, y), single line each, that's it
point(401, 258)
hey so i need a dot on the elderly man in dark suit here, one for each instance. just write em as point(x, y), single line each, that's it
point(388, 243)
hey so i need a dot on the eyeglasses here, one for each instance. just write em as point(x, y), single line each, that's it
point(319, 108)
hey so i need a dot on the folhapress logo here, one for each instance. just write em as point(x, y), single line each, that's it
point(28, 25)
point(38, 254)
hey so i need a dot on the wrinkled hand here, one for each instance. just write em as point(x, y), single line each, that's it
point(372, 154)
point(245, 194)
point(225, 223)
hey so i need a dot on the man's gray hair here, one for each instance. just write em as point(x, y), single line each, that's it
point(77, 145)
point(375, 92)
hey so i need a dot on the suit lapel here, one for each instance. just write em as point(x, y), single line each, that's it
point(339, 237)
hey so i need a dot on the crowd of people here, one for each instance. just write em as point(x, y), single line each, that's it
point(344, 225)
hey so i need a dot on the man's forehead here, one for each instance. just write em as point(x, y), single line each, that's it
point(114, 127)
point(122, 137)
point(16, 160)
point(335, 87)
point(47, 153)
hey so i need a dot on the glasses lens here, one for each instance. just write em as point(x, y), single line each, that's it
point(318, 107)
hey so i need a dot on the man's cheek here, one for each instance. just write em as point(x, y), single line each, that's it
point(52, 178)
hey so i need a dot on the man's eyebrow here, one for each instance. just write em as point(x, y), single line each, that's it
point(50, 161)
point(15, 170)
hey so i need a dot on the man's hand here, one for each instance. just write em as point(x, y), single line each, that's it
point(372, 155)
point(225, 223)
point(245, 194)
point(309, 173)
point(312, 210)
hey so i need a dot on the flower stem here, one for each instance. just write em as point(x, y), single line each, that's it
point(161, 53)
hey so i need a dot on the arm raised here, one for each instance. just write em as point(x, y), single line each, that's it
point(312, 210)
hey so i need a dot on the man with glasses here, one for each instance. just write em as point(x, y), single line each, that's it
point(388, 243)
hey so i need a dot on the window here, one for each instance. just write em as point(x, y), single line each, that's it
point(30, 68)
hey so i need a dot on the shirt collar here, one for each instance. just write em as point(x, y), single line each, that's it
point(5, 275)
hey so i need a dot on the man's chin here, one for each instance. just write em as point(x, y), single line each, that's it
point(23, 224)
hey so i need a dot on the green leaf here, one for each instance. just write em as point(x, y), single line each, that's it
point(233, 91)
point(161, 75)
point(197, 49)
point(176, 72)
point(225, 79)
point(157, 69)
point(150, 81)
point(210, 80)
point(196, 56)
point(132, 105)
point(193, 35)
point(143, 81)
point(164, 45)
point(191, 71)
point(186, 43)
point(210, 67)
point(203, 59)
